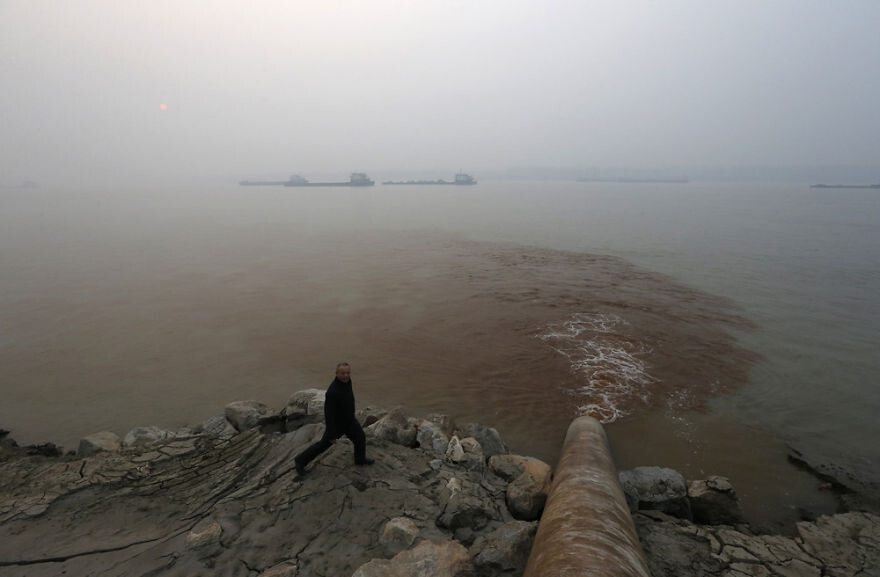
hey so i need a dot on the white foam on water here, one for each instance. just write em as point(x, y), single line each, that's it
point(610, 365)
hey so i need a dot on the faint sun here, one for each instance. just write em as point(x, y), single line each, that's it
point(163, 107)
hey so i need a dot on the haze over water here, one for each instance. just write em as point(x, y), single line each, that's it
point(511, 303)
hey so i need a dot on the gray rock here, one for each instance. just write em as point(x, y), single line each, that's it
point(97, 442)
point(454, 451)
point(206, 533)
point(464, 506)
point(444, 422)
point(216, 427)
point(847, 542)
point(505, 551)
point(246, 415)
point(714, 502)
point(427, 559)
point(508, 467)
point(141, 437)
point(489, 439)
point(399, 533)
point(287, 568)
point(431, 438)
point(307, 402)
point(473, 459)
point(308, 434)
point(527, 494)
point(655, 488)
point(395, 427)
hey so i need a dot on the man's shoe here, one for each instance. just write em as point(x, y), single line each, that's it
point(366, 461)
point(300, 468)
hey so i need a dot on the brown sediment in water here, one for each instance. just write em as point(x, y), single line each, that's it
point(429, 322)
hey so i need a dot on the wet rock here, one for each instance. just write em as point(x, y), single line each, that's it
point(714, 502)
point(656, 488)
point(431, 438)
point(527, 494)
point(141, 437)
point(395, 427)
point(97, 442)
point(427, 559)
point(505, 551)
point(399, 533)
point(489, 439)
point(246, 415)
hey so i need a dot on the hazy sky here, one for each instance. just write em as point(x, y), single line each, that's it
point(252, 87)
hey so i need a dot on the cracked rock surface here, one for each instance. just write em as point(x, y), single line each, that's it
point(843, 545)
point(231, 506)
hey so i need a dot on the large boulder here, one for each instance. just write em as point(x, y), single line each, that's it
point(488, 438)
point(399, 533)
point(303, 404)
point(395, 427)
point(97, 442)
point(714, 502)
point(431, 438)
point(246, 415)
point(505, 551)
point(462, 507)
point(140, 437)
point(527, 494)
point(216, 427)
point(656, 489)
point(508, 467)
point(427, 559)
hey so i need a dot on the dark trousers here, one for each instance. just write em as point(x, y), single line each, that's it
point(352, 430)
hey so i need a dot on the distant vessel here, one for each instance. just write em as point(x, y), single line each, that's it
point(356, 179)
point(460, 179)
point(637, 180)
point(875, 186)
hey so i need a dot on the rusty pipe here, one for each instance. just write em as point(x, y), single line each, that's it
point(586, 527)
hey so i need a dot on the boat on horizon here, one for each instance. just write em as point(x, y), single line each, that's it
point(461, 179)
point(356, 179)
point(870, 186)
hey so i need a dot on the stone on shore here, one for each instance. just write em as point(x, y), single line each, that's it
point(427, 559)
point(656, 489)
point(398, 535)
point(395, 427)
point(246, 415)
point(505, 551)
point(489, 439)
point(140, 437)
point(97, 442)
point(305, 404)
point(714, 502)
point(216, 427)
point(527, 494)
point(431, 438)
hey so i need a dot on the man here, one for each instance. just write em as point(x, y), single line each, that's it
point(340, 420)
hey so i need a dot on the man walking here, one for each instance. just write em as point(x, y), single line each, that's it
point(340, 420)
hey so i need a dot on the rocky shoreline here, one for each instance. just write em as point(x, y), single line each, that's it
point(223, 498)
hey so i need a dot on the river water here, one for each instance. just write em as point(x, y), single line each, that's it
point(707, 324)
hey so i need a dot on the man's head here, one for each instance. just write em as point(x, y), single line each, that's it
point(343, 372)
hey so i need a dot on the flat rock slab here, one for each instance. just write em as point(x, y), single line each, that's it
point(209, 506)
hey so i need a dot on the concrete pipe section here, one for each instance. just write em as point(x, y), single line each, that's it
point(586, 528)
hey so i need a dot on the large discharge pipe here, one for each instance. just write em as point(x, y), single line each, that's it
point(586, 528)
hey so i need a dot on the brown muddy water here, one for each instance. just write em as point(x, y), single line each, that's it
point(523, 339)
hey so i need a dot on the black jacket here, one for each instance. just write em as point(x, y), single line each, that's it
point(339, 408)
